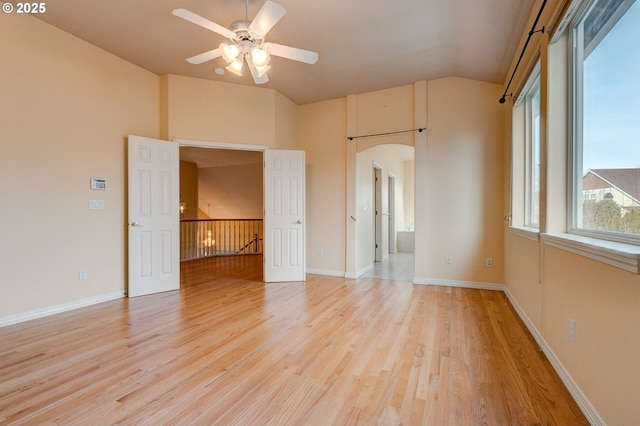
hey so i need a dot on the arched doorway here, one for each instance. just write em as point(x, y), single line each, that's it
point(376, 243)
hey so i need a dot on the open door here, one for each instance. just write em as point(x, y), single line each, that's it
point(284, 227)
point(154, 216)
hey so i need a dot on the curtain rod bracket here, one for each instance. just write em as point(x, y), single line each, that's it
point(503, 99)
point(536, 31)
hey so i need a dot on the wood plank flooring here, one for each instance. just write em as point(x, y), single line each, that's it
point(233, 350)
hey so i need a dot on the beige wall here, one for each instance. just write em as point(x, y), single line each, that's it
point(206, 110)
point(384, 111)
point(322, 135)
point(464, 182)
point(408, 194)
point(523, 273)
point(189, 189)
point(286, 123)
point(605, 303)
point(65, 112)
point(231, 192)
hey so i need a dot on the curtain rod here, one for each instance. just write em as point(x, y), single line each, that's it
point(531, 33)
point(420, 130)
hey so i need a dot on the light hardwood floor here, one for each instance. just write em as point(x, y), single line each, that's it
point(233, 350)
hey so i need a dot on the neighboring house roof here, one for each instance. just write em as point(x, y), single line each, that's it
point(625, 180)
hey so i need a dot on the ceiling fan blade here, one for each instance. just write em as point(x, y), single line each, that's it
point(254, 73)
point(204, 57)
point(267, 17)
point(293, 53)
point(203, 22)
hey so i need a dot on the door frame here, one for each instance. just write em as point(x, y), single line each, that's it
point(378, 240)
point(220, 145)
point(391, 192)
point(420, 168)
point(228, 146)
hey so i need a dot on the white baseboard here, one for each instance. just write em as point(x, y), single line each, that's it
point(326, 272)
point(587, 408)
point(39, 313)
point(359, 273)
point(462, 284)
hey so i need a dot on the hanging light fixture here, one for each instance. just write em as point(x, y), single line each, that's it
point(235, 66)
point(246, 42)
point(246, 45)
point(256, 56)
point(260, 57)
point(229, 52)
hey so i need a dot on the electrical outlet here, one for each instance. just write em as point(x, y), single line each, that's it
point(489, 262)
point(448, 260)
point(82, 274)
point(320, 253)
point(572, 330)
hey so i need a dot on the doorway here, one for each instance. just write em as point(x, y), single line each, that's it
point(281, 205)
point(377, 202)
point(384, 184)
point(221, 200)
point(154, 213)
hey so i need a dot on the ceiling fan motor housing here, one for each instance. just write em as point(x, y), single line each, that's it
point(243, 33)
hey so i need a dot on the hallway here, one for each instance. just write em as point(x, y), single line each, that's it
point(398, 266)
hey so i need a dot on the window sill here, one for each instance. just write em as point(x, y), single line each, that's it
point(525, 232)
point(620, 255)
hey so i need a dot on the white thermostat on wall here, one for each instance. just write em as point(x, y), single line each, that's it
point(99, 184)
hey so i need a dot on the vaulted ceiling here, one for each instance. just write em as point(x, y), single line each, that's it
point(363, 45)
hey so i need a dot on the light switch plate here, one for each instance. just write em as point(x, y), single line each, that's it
point(96, 204)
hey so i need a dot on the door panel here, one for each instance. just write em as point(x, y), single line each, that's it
point(153, 217)
point(284, 216)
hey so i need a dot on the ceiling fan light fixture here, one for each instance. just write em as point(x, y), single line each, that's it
point(229, 52)
point(260, 57)
point(235, 67)
point(246, 42)
point(263, 70)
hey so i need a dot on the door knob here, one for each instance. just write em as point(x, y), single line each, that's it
point(299, 222)
point(136, 225)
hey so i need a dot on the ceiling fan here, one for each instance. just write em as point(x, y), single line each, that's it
point(247, 42)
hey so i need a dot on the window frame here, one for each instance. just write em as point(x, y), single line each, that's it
point(531, 89)
point(576, 116)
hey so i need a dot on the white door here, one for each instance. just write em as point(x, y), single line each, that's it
point(284, 227)
point(154, 216)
